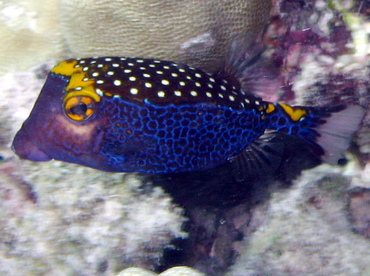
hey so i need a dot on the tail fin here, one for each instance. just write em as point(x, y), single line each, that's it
point(334, 135)
point(328, 129)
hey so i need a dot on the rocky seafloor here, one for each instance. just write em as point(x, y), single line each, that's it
point(64, 219)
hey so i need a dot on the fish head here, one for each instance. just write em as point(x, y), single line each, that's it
point(66, 122)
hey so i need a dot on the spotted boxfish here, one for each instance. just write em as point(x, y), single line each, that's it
point(123, 114)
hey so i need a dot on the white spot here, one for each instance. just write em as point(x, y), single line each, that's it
point(242, 104)
point(127, 71)
point(220, 95)
point(85, 69)
point(212, 79)
point(85, 79)
point(142, 68)
point(165, 82)
point(130, 64)
point(146, 75)
point(99, 81)
point(198, 84)
point(198, 75)
point(116, 96)
point(152, 65)
point(117, 82)
point(210, 85)
point(188, 77)
point(209, 95)
point(223, 88)
point(177, 93)
point(182, 70)
point(93, 61)
point(108, 59)
point(156, 61)
point(122, 58)
point(232, 98)
point(110, 73)
point(174, 75)
point(161, 94)
point(100, 65)
point(134, 91)
point(182, 83)
point(148, 85)
point(82, 61)
point(159, 72)
point(139, 61)
point(78, 88)
point(166, 67)
point(115, 65)
point(99, 92)
point(257, 102)
point(76, 66)
point(224, 81)
point(247, 101)
point(194, 93)
point(132, 78)
point(95, 74)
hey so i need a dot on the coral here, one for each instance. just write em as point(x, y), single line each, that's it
point(194, 32)
point(306, 231)
point(29, 34)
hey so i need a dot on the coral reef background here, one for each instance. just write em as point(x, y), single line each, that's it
point(62, 219)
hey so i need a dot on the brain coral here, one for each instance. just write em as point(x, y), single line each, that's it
point(196, 32)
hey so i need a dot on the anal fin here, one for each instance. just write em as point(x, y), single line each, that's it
point(275, 155)
point(260, 159)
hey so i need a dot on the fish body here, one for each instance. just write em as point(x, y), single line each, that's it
point(145, 115)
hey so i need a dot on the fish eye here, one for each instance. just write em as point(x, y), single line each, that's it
point(79, 108)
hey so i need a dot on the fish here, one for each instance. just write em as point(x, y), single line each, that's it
point(124, 114)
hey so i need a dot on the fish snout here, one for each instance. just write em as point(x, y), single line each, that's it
point(24, 147)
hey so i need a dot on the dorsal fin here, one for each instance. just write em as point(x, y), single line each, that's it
point(249, 70)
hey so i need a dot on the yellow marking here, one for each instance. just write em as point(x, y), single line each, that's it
point(66, 68)
point(89, 112)
point(86, 100)
point(77, 81)
point(270, 108)
point(294, 113)
point(260, 108)
point(75, 117)
point(71, 103)
point(87, 91)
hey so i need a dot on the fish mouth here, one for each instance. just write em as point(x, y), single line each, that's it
point(25, 148)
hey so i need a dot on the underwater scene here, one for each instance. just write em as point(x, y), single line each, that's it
point(198, 137)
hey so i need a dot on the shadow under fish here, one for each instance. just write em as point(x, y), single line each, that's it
point(214, 199)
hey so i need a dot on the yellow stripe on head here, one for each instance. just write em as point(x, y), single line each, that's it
point(295, 113)
point(77, 81)
point(66, 68)
point(79, 84)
